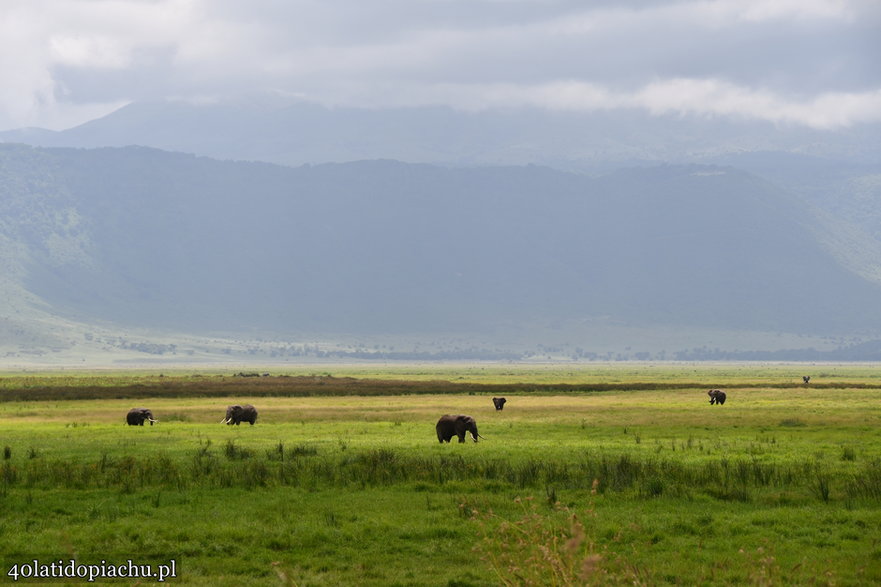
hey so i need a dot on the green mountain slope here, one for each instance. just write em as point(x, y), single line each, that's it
point(145, 238)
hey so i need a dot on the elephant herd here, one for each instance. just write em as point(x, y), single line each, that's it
point(234, 415)
point(447, 427)
point(459, 425)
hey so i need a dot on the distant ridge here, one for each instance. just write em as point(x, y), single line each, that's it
point(291, 132)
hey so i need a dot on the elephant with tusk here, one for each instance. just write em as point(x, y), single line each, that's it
point(456, 425)
point(137, 417)
point(237, 414)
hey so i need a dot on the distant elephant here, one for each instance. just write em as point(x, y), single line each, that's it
point(137, 417)
point(806, 379)
point(237, 414)
point(499, 403)
point(717, 396)
point(456, 425)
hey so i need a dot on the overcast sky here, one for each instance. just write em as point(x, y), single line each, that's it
point(815, 63)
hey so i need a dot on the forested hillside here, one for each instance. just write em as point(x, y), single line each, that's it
point(146, 238)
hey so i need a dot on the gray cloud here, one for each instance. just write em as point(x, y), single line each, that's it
point(808, 62)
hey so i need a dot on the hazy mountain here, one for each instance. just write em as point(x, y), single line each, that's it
point(296, 132)
point(145, 238)
point(836, 172)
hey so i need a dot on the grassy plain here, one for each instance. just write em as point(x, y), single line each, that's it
point(602, 473)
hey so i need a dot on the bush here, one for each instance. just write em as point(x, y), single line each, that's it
point(552, 548)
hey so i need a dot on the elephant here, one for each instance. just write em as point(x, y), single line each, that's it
point(237, 414)
point(806, 379)
point(717, 396)
point(499, 403)
point(456, 425)
point(137, 417)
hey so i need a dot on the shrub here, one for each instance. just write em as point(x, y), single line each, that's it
point(233, 451)
point(552, 548)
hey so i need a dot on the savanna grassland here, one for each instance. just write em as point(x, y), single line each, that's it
point(603, 474)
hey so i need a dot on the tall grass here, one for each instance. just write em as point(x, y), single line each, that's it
point(304, 466)
point(537, 547)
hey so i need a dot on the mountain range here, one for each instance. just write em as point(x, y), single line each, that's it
point(134, 238)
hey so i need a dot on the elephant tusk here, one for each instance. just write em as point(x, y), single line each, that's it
point(224, 421)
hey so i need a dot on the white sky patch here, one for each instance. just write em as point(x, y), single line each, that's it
point(27, 86)
point(761, 10)
point(713, 97)
point(702, 13)
point(97, 52)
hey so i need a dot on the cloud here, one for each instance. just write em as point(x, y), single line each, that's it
point(675, 97)
point(46, 44)
point(99, 52)
point(807, 62)
point(27, 84)
point(711, 97)
point(763, 10)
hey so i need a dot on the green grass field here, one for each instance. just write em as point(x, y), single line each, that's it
point(610, 474)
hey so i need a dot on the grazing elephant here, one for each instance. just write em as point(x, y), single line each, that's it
point(137, 417)
point(456, 425)
point(717, 396)
point(237, 414)
point(499, 403)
